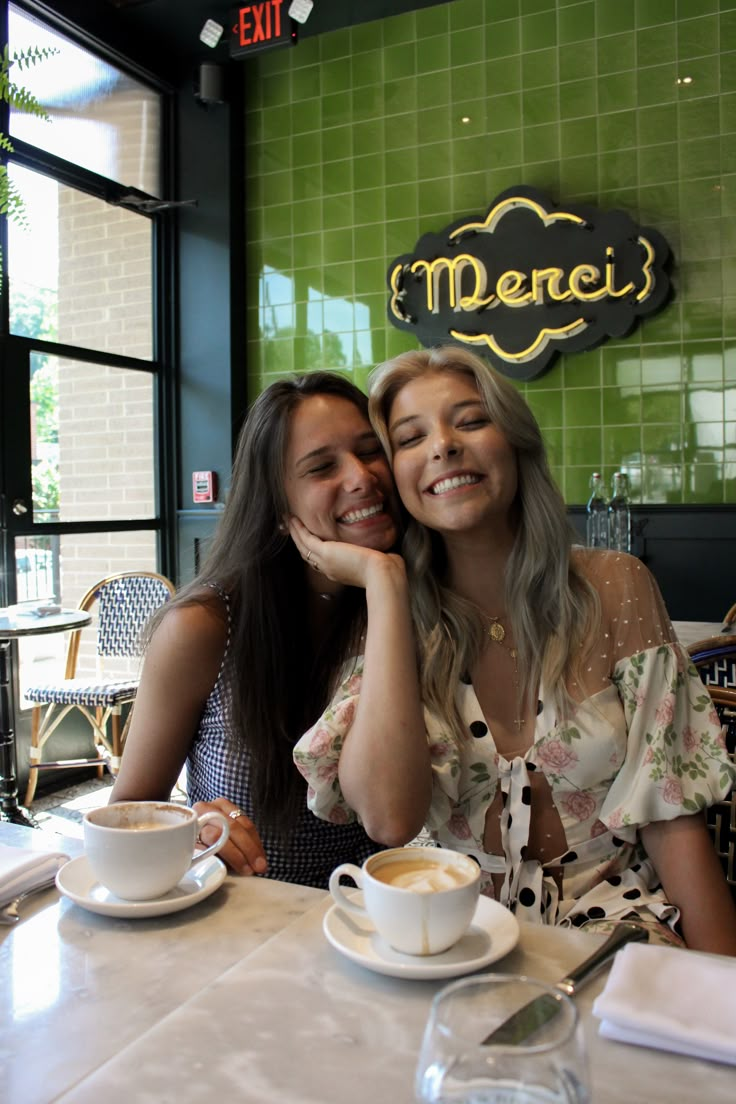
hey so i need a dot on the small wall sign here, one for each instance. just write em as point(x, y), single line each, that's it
point(530, 280)
point(259, 26)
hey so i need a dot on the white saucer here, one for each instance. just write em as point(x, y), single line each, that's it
point(76, 881)
point(493, 933)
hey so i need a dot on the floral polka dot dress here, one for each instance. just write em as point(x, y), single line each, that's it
point(644, 744)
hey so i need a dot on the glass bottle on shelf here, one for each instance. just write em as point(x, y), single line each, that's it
point(597, 525)
point(619, 514)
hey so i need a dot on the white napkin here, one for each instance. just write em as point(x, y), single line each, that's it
point(671, 999)
point(22, 869)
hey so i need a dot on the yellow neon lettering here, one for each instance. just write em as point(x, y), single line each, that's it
point(586, 274)
point(647, 270)
point(611, 274)
point(541, 340)
point(508, 286)
point(552, 277)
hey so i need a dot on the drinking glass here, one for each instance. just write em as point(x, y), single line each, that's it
point(542, 1061)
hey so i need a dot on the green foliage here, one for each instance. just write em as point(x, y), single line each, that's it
point(19, 98)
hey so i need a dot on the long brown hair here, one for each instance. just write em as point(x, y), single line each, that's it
point(552, 607)
point(280, 677)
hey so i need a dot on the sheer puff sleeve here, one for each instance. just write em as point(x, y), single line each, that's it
point(317, 753)
point(676, 761)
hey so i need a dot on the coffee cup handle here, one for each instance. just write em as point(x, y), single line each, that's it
point(337, 891)
point(209, 818)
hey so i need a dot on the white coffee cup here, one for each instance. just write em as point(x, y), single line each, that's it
point(141, 849)
point(421, 900)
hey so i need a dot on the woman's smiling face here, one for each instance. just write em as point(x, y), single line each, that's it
point(337, 479)
point(454, 470)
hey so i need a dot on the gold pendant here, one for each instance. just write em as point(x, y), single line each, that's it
point(496, 631)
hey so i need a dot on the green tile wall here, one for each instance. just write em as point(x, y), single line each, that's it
point(355, 145)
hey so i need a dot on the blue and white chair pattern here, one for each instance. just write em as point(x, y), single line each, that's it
point(122, 603)
point(715, 660)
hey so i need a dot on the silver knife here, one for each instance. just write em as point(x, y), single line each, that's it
point(528, 1019)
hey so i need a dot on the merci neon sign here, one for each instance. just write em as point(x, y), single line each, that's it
point(530, 280)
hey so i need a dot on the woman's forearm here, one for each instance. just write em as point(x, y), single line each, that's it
point(684, 857)
point(385, 771)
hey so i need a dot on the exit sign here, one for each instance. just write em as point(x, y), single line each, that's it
point(259, 26)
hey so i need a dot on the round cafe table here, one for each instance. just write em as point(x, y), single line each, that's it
point(17, 621)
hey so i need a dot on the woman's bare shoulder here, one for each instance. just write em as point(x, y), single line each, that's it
point(201, 622)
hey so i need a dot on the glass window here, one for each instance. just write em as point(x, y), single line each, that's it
point(92, 441)
point(101, 118)
point(80, 271)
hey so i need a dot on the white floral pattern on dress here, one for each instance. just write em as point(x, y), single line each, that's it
point(645, 745)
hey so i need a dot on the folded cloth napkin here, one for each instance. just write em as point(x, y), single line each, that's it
point(671, 999)
point(22, 869)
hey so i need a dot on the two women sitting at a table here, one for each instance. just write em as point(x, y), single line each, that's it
point(243, 659)
point(548, 722)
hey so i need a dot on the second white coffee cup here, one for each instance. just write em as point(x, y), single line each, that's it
point(421, 900)
point(140, 850)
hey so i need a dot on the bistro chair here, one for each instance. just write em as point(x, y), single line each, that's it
point(715, 660)
point(121, 605)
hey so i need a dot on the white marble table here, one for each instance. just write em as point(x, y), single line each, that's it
point(242, 999)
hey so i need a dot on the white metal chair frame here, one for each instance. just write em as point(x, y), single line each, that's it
point(125, 602)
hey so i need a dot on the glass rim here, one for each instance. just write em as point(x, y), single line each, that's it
point(477, 982)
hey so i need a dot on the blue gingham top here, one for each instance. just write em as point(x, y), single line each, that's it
point(313, 848)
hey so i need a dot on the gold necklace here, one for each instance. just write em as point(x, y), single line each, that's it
point(497, 633)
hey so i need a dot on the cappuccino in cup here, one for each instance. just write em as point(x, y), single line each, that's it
point(421, 900)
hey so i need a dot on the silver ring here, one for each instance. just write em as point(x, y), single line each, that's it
point(235, 813)
point(308, 557)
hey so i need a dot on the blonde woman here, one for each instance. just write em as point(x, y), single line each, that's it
point(570, 744)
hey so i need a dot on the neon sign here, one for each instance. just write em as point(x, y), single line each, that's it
point(530, 280)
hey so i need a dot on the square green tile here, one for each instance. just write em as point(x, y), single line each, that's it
point(577, 61)
point(367, 36)
point(661, 365)
point(653, 13)
point(656, 45)
point(706, 484)
point(368, 102)
point(581, 369)
point(700, 118)
point(277, 221)
point(336, 76)
point(578, 99)
point(435, 197)
point(616, 92)
point(659, 163)
point(497, 10)
point(692, 9)
point(538, 31)
point(503, 112)
point(399, 166)
point(578, 138)
point(539, 68)
point(582, 446)
point(612, 18)
point(540, 143)
point(664, 326)
point(465, 49)
point(498, 149)
point(399, 61)
point(617, 169)
point(433, 53)
point(333, 45)
point(467, 82)
point(620, 367)
point(657, 124)
point(368, 171)
point(368, 138)
point(366, 243)
point(370, 206)
point(401, 131)
point(336, 110)
point(582, 407)
point(466, 14)
point(703, 362)
point(337, 176)
point(367, 69)
point(433, 89)
point(663, 440)
point(546, 407)
point(469, 195)
point(661, 404)
point(579, 176)
point(616, 53)
point(701, 239)
point(434, 160)
point(702, 320)
point(656, 85)
point(307, 250)
point(434, 20)
point(576, 22)
point(337, 143)
point(697, 37)
point(401, 29)
point(503, 75)
point(699, 157)
point(502, 39)
point(621, 406)
point(539, 105)
point(617, 131)
point(621, 445)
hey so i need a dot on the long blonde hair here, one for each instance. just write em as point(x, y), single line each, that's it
point(552, 608)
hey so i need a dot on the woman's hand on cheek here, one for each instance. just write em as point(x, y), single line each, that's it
point(349, 564)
